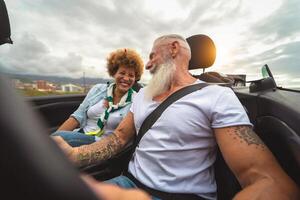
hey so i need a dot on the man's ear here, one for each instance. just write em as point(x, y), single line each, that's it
point(174, 48)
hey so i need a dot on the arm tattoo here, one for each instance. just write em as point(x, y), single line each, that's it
point(99, 151)
point(247, 135)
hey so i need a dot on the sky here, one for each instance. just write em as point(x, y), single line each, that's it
point(74, 37)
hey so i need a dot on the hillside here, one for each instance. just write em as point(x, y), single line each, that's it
point(58, 80)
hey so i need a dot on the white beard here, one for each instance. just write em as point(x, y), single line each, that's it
point(161, 80)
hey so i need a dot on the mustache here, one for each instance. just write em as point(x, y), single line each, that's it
point(161, 79)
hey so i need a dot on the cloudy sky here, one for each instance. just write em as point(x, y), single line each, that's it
point(69, 37)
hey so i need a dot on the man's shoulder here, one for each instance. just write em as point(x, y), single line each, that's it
point(215, 90)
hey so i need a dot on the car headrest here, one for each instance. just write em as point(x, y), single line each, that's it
point(203, 51)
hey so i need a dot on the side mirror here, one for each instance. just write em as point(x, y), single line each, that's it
point(4, 25)
point(266, 83)
point(266, 72)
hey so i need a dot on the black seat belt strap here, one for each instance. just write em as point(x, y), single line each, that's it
point(151, 118)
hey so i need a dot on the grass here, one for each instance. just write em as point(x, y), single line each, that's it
point(31, 93)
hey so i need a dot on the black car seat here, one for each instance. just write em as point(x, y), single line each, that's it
point(203, 52)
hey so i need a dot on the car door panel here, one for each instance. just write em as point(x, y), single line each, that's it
point(276, 115)
point(56, 109)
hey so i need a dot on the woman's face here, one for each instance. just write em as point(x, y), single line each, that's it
point(124, 78)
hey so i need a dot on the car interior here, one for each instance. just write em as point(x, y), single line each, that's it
point(33, 167)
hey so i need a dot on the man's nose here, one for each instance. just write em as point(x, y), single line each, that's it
point(148, 65)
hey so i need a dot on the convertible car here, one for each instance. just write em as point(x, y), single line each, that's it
point(33, 167)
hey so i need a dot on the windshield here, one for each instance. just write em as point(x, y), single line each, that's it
point(64, 44)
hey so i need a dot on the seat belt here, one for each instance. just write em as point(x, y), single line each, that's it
point(152, 117)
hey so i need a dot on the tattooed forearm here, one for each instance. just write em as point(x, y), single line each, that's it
point(98, 151)
point(247, 135)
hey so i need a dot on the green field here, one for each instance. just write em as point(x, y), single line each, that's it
point(28, 92)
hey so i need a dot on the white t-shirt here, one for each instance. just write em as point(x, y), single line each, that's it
point(177, 154)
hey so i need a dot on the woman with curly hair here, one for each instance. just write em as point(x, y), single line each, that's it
point(105, 105)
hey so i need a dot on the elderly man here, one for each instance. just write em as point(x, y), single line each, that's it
point(175, 157)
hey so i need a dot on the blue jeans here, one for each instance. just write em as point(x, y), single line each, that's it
point(124, 182)
point(74, 138)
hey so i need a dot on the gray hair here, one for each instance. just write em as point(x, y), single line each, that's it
point(181, 39)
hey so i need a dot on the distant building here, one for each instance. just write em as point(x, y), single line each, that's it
point(23, 86)
point(43, 85)
point(71, 88)
point(30, 86)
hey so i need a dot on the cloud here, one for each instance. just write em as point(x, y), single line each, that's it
point(272, 40)
point(69, 37)
point(29, 54)
point(282, 24)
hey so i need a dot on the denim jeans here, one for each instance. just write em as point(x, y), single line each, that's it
point(124, 182)
point(74, 138)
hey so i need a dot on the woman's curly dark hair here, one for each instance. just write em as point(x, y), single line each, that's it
point(126, 57)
